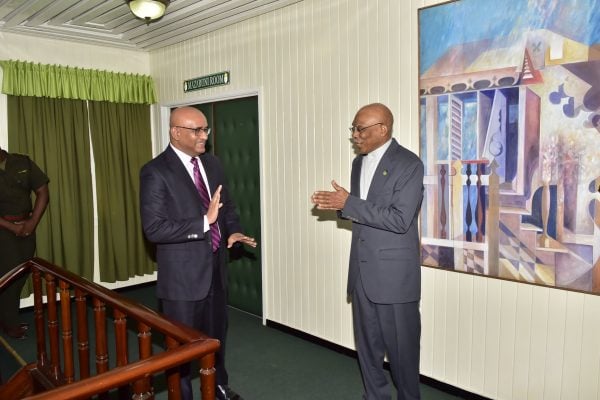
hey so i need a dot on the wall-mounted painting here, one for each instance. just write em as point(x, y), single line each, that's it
point(510, 137)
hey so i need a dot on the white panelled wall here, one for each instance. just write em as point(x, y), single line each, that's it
point(313, 64)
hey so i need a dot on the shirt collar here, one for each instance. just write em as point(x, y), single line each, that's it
point(185, 158)
point(378, 152)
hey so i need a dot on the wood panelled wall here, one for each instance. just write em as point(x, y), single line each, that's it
point(313, 64)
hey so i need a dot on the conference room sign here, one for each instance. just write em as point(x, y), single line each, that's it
point(208, 81)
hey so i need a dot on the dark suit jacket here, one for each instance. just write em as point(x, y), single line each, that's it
point(385, 246)
point(173, 218)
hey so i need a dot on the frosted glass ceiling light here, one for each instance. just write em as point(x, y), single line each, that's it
point(148, 10)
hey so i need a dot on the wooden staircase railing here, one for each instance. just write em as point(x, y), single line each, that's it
point(53, 377)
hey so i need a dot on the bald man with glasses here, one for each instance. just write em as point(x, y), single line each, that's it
point(188, 214)
point(384, 277)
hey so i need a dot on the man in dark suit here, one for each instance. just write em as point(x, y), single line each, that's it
point(384, 278)
point(191, 229)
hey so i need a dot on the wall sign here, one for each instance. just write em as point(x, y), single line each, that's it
point(203, 82)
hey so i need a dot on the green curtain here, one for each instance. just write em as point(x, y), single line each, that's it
point(56, 81)
point(54, 134)
point(121, 143)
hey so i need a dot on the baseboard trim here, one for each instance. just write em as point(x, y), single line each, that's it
point(444, 387)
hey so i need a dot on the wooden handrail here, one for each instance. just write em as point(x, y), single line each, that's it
point(137, 311)
point(119, 376)
point(183, 344)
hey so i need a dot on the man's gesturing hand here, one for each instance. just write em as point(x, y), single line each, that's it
point(214, 205)
point(325, 200)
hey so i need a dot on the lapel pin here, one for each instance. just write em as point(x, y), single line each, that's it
point(384, 172)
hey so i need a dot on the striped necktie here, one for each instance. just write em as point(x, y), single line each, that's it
point(203, 191)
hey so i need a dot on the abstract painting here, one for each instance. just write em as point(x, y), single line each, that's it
point(510, 139)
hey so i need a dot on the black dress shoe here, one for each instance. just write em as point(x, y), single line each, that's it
point(15, 332)
point(224, 392)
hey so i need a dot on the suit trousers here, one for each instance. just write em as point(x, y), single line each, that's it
point(208, 315)
point(392, 329)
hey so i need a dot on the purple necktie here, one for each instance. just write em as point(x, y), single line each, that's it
point(201, 186)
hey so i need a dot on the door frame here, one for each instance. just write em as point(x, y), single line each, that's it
point(160, 140)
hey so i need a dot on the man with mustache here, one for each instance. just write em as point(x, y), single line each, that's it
point(384, 278)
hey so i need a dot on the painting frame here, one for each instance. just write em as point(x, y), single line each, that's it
point(509, 132)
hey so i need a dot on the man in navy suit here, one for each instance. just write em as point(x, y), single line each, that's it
point(190, 230)
point(384, 277)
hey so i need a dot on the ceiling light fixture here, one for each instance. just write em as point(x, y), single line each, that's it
point(148, 10)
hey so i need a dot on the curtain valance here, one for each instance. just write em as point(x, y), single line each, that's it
point(21, 78)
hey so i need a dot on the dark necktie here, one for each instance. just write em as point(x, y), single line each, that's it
point(203, 191)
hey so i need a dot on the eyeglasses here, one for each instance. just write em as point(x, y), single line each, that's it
point(196, 131)
point(353, 128)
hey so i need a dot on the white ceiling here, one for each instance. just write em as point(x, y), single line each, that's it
point(110, 23)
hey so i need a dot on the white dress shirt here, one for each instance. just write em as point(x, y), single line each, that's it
point(369, 165)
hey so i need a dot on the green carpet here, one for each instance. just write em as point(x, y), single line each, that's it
point(264, 363)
